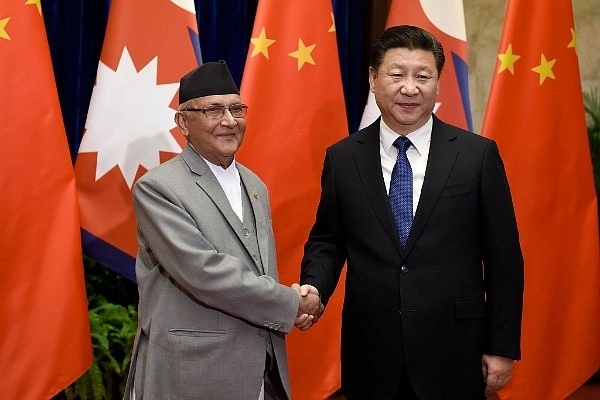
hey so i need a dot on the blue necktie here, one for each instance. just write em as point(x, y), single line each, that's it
point(401, 191)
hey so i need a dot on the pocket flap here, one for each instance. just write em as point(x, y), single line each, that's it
point(471, 307)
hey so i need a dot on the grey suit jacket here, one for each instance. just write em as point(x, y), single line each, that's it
point(205, 309)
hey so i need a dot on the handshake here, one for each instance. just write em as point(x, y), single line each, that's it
point(310, 307)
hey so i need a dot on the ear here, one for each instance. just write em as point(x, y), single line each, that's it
point(372, 77)
point(181, 122)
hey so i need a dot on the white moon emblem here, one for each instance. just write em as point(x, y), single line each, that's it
point(187, 5)
point(447, 15)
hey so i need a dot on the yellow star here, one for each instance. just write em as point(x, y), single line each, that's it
point(303, 54)
point(573, 42)
point(507, 60)
point(261, 44)
point(37, 3)
point(545, 69)
point(3, 33)
point(332, 27)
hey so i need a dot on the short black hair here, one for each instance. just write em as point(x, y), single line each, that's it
point(409, 37)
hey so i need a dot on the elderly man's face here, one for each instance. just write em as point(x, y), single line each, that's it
point(405, 87)
point(216, 139)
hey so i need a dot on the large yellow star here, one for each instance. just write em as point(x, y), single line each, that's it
point(573, 42)
point(545, 69)
point(507, 60)
point(3, 33)
point(37, 3)
point(261, 44)
point(303, 54)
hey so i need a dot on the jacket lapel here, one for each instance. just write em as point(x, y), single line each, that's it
point(260, 219)
point(442, 156)
point(368, 163)
point(211, 186)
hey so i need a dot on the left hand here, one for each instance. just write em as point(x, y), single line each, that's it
point(497, 371)
point(304, 321)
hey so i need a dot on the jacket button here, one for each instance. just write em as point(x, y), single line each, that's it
point(245, 231)
point(404, 269)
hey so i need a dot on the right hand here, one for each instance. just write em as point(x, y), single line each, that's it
point(309, 307)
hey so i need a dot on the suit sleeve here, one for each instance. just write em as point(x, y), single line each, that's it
point(324, 251)
point(215, 279)
point(502, 259)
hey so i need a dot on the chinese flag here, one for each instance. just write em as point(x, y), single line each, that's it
point(535, 113)
point(446, 21)
point(292, 85)
point(129, 129)
point(44, 325)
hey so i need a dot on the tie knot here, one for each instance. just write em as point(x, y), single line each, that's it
point(402, 143)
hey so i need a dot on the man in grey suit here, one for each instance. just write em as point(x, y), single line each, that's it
point(433, 301)
point(212, 315)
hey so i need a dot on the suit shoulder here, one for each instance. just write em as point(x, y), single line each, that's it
point(168, 173)
point(463, 135)
point(473, 137)
point(361, 136)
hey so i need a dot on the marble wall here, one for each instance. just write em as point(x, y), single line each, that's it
point(484, 19)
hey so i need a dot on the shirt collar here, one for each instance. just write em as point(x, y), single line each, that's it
point(230, 173)
point(419, 138)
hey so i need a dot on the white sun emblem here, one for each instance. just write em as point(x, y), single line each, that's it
point(129, 119)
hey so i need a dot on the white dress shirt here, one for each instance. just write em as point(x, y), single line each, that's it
point(417, 155)
point(229, 179)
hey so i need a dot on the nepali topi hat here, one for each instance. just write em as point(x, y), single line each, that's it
point(211, 78)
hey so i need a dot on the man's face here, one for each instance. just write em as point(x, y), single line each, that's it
point(216, 139)
point(405, 87)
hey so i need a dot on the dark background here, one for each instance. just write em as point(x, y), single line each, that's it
point(76, 31)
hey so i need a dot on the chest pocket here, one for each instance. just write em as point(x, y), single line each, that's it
point(457, 189)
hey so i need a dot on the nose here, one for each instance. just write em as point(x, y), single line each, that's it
point(409, 87)
point(228, 119)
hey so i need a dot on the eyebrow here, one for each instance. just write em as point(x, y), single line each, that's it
point(419, 66)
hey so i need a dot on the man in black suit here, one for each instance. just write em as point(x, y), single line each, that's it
point(436, 315)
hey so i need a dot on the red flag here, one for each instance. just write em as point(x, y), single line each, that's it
point(535, 113)
point(292, 85)
point(446, 21)
point(148, 47)
point(44, 325)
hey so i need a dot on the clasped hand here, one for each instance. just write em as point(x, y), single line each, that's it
point(310, 307)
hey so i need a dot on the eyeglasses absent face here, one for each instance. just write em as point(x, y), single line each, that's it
point(217, 112)
point(405, 86)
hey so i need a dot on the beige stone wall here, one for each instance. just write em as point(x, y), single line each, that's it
point(484, 18)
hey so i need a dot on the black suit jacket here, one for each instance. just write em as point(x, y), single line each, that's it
point(456, 291)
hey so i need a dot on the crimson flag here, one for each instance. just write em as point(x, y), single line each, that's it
point(44, 325)
point(293, 87)
point(535, 113)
